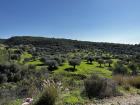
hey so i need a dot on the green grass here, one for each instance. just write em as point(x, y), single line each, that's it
point(36, 62)
point(89, 69)
point(76, 85)
point(86, 69)
point(23, 56)
point(14, 102)
point(73, 98)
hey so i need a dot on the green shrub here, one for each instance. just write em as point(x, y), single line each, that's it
point(100, 87)
point(120, 69)
point(133, 68)
point(48, 97)
point(90, 59)
point(52, 64)
point(127, 87)
point(3, 78)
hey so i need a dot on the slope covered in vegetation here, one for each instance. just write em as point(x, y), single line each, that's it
point(66, 72)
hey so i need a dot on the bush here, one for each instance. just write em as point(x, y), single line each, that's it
point(100, 87)
point(15, 57)
point(52, 64)
point(133, 68)
point(3, 78)
point(59, 60)
point(31, 66)
point(48, 97)
point(90, 59)
point(17, 77)
point(120, 69)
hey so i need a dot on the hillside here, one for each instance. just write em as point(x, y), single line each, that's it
point(67, 44)
point(2, 40)
point(67, 72)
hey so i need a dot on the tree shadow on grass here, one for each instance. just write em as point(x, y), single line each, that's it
point(70, 69)
point(100, 66)
point(89, 63)
point(40, 64)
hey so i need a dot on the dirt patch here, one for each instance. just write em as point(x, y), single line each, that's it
point(120, 100)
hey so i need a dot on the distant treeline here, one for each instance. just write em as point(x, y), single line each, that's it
point(68, 45)
point(2, 40)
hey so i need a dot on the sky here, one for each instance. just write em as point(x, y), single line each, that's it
point(116, 21)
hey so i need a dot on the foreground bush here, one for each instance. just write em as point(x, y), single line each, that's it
point(49, 95)
point(100, 87)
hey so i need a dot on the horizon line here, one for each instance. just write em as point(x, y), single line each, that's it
point(44, 36)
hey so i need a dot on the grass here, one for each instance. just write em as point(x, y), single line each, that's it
point(36, 62)
point(14, 102)
point(86, 69)
point(73, 98)
point(76, 85)
point(23, 56)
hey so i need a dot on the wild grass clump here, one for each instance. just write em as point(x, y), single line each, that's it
point(100, 87)
point(120, 79)
point(48, 96)
point(128, 80)
point(135, 81)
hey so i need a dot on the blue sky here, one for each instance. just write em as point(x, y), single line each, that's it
point(115, 21)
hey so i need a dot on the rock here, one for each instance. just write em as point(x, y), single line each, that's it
point(27, 101)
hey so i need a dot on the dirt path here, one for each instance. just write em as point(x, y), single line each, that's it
point(120, 100)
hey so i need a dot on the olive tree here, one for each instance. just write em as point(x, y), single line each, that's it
point(100, 61)
point(74, 62)
point(109, 62)
point(90, 59)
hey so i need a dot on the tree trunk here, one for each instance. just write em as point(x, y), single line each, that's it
point(109, 64)
point(74, 66)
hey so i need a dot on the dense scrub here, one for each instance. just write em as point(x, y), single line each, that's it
point(100, 87)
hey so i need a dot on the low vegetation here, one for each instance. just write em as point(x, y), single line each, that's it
point(100, 87)
point(66, 72)
point(49, 94)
